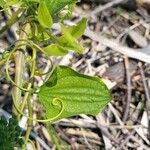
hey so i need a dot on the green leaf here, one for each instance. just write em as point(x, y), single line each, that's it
point(55, 50)
point(55, 6)
point(2, 3)
point(67, 34)
point(67, 41)
point(80, 94)
point(44, 16)
point(78, 30)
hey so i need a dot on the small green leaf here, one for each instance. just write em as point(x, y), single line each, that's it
point(55, 50)
point(80, 94)
point(67, 34)
point(75, 46)
point(67, 41)
point(78, 30)
point(44, 16)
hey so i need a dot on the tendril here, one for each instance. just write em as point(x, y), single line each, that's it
point(54, 102)
point(41, 50)
point(33, 45)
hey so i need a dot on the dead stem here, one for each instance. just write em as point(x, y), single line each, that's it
point(129, 90)
point(19, 70)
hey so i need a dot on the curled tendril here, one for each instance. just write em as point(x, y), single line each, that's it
point(57, 102)
point(15, 49)
point(54, 102)
point(33, 45)
point(41, 50)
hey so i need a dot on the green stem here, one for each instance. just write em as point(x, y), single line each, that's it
point(53, 37)
point(27, 97)
point(30, 84)
point(3, 61)
point(30, 122)
point(12, 20)
point(56, 139)
point(54, 136)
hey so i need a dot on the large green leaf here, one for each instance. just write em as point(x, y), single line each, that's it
point(44, 16)
point(79, 93)
point(55, 6)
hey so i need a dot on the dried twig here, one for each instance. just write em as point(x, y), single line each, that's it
point(115, 114)
point(104, 130)
point(128, 79)
point(127, 138)
point(139, 54)
point(106, 6)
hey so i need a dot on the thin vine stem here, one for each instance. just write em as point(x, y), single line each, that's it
point(12, 20)
point(34, 46)
point(30, 122)
point(28, 99)
point(31, 78)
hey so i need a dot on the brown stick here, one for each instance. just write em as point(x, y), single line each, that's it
point(129, 91)
point(130, 52)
